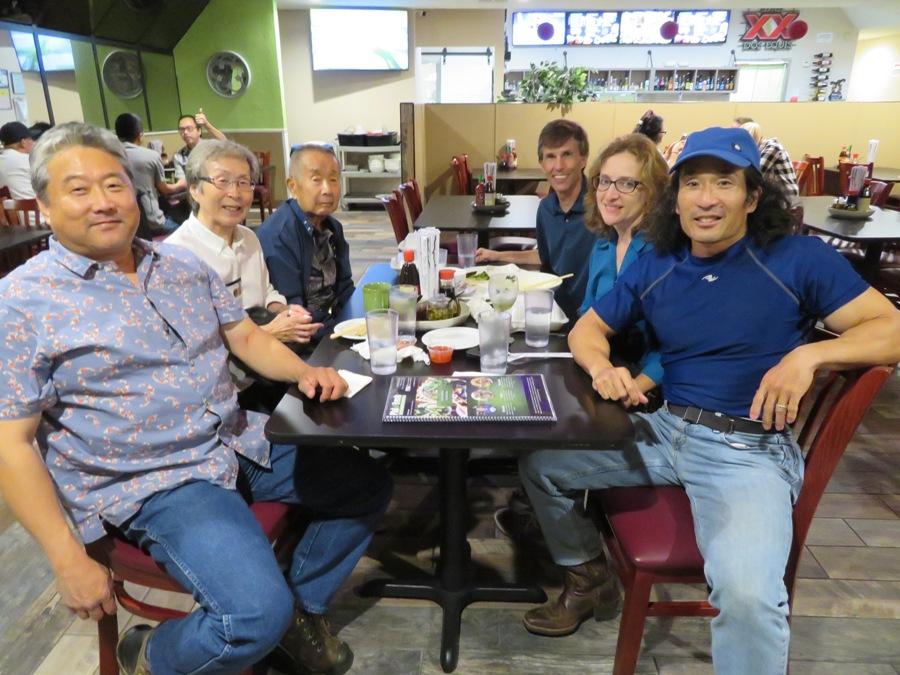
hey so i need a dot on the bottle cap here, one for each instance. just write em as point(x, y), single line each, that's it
point(409, 255)
point(446, 273)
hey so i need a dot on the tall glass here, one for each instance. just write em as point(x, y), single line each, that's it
point(466, 246)
point(493, 341)
point(538, 308)
point(403, 301)
point(502, 290)
point(381, 330)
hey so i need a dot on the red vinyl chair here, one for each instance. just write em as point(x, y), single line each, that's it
point(412, 198)
point(393, 204)
point(880, 192)
point(650, 532)
point(461, 173)
point(815, 185)
point(128, 563)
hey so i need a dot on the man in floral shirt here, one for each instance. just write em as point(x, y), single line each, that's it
point(114, 360)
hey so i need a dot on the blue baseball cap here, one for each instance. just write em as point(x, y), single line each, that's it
point(732, 145)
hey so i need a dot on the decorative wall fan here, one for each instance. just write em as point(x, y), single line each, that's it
point(228, 74)
point(122, 74)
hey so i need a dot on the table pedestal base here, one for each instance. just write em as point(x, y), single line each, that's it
point(452, 588)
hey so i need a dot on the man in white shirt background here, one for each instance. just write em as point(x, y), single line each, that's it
point(15, 160)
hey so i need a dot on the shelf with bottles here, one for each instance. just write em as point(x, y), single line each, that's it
point(697, 80)
point(619, 79)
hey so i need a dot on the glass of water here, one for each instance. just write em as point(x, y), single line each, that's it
point(466, 246)
point(502, 290)
point(403, 300)
point(538, 308)
point(493, 341)
point(381, 329)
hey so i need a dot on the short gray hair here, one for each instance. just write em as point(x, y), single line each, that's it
point(211, 151)
point(298, 151)
point(71, 135)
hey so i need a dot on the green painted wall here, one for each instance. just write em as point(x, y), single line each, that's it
point(248, 28)
point(162, 92)
point(86, 81)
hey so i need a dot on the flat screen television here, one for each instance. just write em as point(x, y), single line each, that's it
point(538, 29)
point(642, 27)
point(701, 27)
point(56, 52)
point(592, 28)
point(359, 39)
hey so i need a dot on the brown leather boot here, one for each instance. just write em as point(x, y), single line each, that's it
point(309, 648)
point(589, 588)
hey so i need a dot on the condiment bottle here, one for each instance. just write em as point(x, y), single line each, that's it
point(865, 197)
point(479, 193)
point(843, 157)
point(409, 273)
point(448, 289)
point(490, 195)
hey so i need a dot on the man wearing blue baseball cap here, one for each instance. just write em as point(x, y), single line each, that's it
point(732, 300)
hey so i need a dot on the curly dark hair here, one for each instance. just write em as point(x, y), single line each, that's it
point(652, 175)
point(770, 220)
point(651, 126)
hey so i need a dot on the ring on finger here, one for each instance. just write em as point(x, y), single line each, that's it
point(781, 406)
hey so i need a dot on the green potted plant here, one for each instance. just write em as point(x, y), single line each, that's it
point(554, 84)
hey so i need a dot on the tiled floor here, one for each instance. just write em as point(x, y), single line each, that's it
point(847, 603)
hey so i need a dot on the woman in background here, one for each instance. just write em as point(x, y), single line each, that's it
point(651, 126)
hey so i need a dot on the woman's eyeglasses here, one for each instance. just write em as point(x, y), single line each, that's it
point(223, 183)
point(623, 185)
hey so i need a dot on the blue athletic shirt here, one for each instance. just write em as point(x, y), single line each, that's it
point(723, 321)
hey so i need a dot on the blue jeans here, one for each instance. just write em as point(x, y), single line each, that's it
point(741, 487)
point(207, 538)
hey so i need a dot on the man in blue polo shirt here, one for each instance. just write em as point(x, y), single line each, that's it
point(732, 301)
point(563, 242)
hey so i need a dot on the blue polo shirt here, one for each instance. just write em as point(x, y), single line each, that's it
point(565, 244)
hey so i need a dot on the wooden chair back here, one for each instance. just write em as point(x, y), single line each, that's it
point(393, 204)
point(262, 193)
point(880, 192)
point(650, 532)
point(412, 198)
point(24, 212)
point(815, 184)
point(844, 175)
point(460, 166)
point(801, 172)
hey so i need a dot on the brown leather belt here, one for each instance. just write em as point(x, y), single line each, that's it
point(718, 421)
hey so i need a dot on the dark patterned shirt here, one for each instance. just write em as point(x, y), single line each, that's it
point(323, 274)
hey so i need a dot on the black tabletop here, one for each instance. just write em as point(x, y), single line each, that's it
point(882, 226)
point(454, 213)
point(14, 236)
point(584, 420)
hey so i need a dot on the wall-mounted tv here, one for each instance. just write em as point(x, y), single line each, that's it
point(592, 28)
point(643, 27)
point(55, 51)
point(702, 27)
point(538, 29)
point(359, 39)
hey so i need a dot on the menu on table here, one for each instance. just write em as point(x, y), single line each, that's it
point(482, 398)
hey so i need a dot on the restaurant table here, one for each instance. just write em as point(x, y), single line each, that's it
point(515, 182)
point(885, 174)
point(873, 233)
point(454, 213)
point(19, 238)
point(584, 421)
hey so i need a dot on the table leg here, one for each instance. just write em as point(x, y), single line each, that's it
point(452, 588)
point(872, 260)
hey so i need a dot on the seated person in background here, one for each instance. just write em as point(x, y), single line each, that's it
point(37, 130)
point(773, 159)
point(732, 301)
point(15, 161)
point(220, 177)
point(306, 252)
point(118, 372)
point(190, 127)
point(740, 121)
point(564, 243)
point(149, 177)
point(651, 126)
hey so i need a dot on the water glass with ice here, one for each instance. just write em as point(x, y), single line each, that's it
point(403, 300)
point(381, 329)
point(538, 308)
point(466, 245)
point(493, 341)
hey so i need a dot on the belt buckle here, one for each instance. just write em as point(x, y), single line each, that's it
point(730, 420)
point(691, 410)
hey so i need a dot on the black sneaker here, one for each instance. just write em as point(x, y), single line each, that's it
point(131, 652)
point(519, 527)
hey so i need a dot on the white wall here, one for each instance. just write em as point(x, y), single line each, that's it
point(876, 70)
point(820, 22)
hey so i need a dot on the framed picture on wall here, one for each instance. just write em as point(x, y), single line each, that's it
point(4, 78)
point(18, 84)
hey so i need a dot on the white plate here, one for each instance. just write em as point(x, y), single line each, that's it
point(351, 323)
point(446, 323)
point(458, 338)
point(526, 278)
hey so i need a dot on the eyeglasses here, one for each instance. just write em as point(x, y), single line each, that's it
point(184, 130)
point(624, 185)
point(223, 183)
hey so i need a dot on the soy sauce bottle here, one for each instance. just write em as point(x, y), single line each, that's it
point(409, 273)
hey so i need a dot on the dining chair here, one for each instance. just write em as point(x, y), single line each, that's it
point(393, 204)
point(24, 212)
point(4, 195)
point(262, 193)
point(650, 532)
point(880, 192)
point(281, 524)
point(460, 166)
point(512, 243)
point(816, 181)
point(801, 171)
point(844, 174)
point(412, 198)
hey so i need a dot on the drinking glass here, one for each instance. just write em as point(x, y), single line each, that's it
point(466, 245)
point(538, 308)
point(381, 329)
point(502, 290)
point(376, 295)
point(403, 300)
point(493, 341)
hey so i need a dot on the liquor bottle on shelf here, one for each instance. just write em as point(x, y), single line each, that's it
point(730, 84)
point(670, 85)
